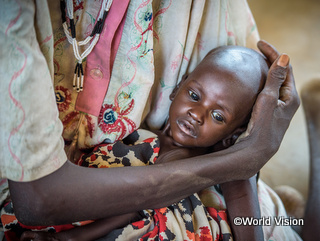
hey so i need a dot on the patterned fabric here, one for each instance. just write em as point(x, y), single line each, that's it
point(13, 229)
point(151, 58)
point(174, 221)
point(188, 219)
point(99, 63)
point(140, 148)
point(201, 216)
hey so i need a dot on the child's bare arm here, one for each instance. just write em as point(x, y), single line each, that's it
point(242, 201)
point(88, 232)
point(241, 196)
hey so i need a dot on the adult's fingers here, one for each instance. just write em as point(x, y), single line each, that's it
point(268, 50)
point(277, 75)
point(267, 100)
point(288, 88)
point(289, 95)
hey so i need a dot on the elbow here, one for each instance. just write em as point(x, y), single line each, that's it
point(30, 206)
point(29, 216)
point(34, 212)
point(36, 216)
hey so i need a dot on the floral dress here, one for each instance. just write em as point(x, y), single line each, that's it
point(189, 219)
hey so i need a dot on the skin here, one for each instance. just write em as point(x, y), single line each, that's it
point(272, 112)
point(310, 96)
point(88, 232)
point(242, 201)
point(213, 103)
point(211, 106)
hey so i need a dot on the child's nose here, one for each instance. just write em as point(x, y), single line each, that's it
point(196, 115)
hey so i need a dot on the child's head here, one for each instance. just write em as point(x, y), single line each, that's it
point(214, 102)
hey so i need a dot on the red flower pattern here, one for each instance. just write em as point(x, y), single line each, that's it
point(114, 120)
point(63, 98)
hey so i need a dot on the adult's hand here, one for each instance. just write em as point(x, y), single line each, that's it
point(275, 105)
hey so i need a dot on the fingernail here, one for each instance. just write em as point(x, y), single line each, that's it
point(283, 60)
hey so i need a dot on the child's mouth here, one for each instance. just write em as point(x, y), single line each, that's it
point(187, 128)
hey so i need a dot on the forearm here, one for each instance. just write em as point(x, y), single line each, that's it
point(310, 229)
point(242, 201)
point(97, 229)
point(122, 190)
point(311, 103)
point(91, 231)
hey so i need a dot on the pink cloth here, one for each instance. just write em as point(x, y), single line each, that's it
point(100, 61)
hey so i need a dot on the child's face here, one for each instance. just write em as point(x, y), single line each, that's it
point(210, 105)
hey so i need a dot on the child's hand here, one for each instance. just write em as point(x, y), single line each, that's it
point(43, 236)
point(91, 231)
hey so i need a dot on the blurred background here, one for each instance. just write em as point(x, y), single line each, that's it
point(293, 27)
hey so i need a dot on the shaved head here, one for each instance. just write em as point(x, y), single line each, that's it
point(248, 66)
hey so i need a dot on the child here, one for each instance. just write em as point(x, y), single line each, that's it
point(210, 109)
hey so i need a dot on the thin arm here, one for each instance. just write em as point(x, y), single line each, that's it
point(242, 201)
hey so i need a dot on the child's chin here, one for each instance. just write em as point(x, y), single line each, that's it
point(178, 143)
point(183, 144)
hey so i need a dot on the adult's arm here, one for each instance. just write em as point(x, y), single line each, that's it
point(311, 104)
point(64, 196)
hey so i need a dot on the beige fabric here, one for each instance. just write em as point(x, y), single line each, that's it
point(202, 25)
point(151, 59)
point(272, 207)
point(31, 142)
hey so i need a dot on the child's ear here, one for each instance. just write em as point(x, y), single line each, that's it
point(232, 138)
point(175, 90)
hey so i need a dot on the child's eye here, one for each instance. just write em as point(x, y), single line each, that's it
point(218, 117)
point(193, 95)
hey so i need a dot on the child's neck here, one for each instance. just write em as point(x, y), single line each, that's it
point(168, 144)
